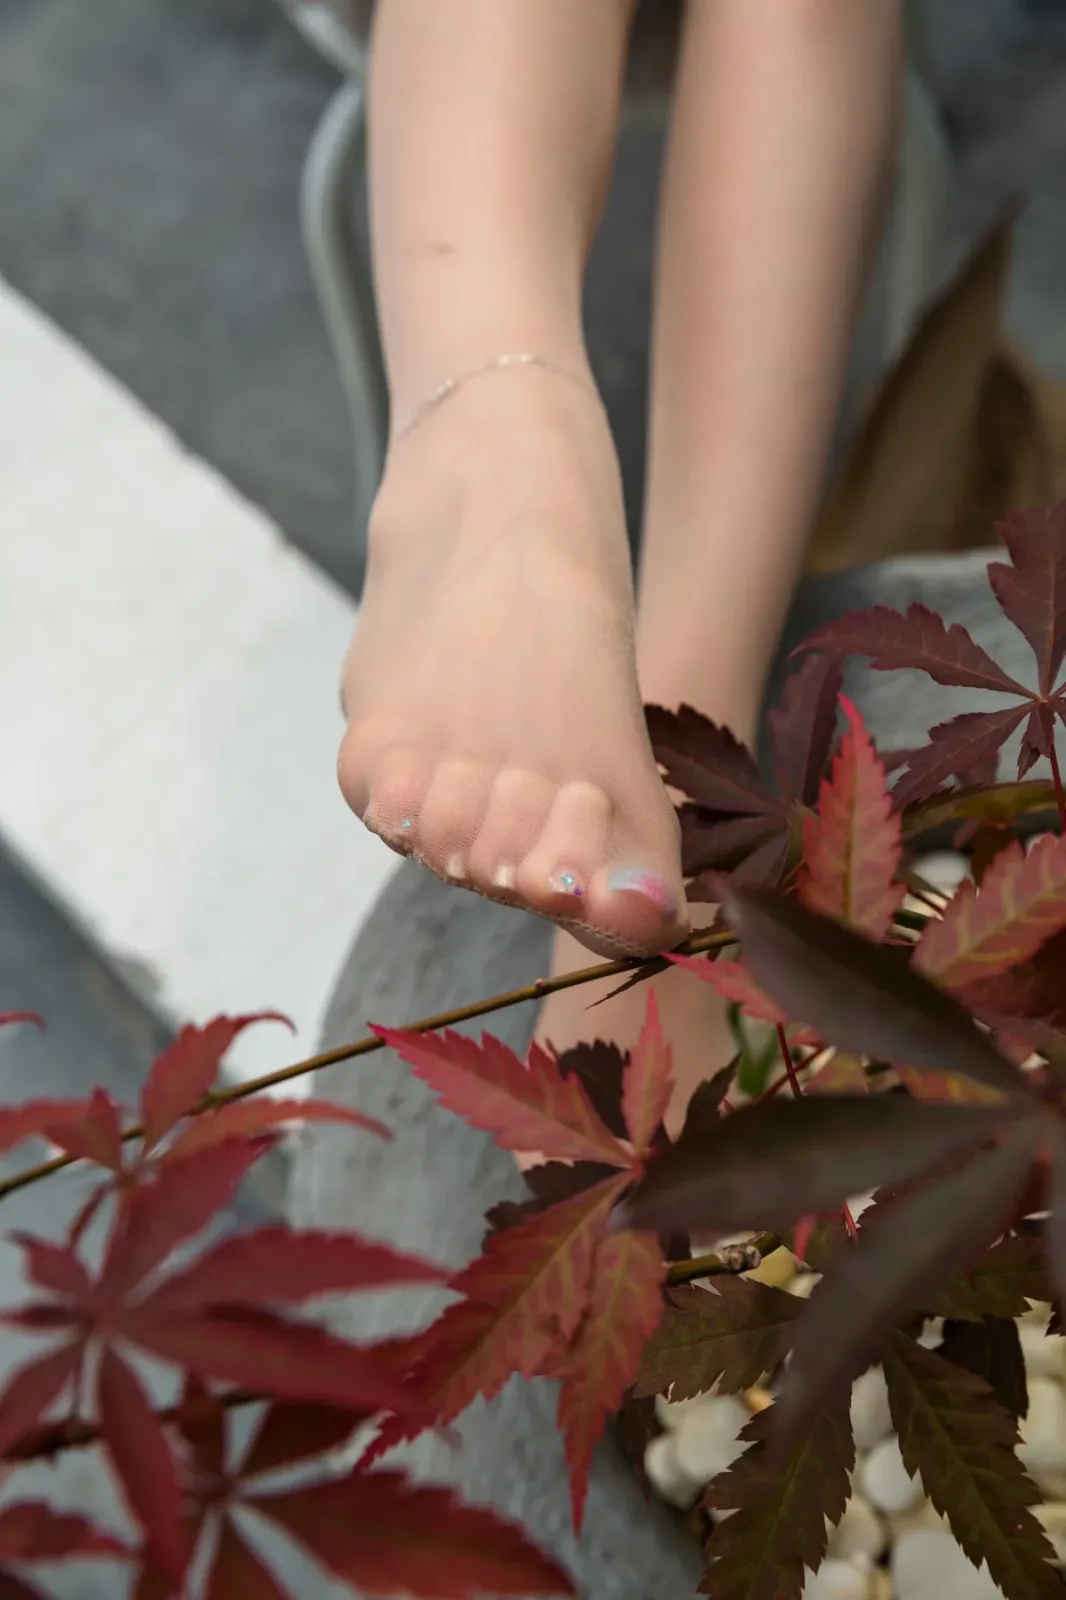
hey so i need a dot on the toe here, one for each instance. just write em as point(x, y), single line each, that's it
point(554, 877)
point(637, 903)
point(451, 815)
point(517, 809)
point(394, 787)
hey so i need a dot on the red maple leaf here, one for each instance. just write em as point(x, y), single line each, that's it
point(545, 1296)
point(525, 1106)
point(174, 1115)
point(852, 848)
point(214, 1317)
point(374, 1530)
point(623, 1311)
point(30, 1531)
point(738, 821)
point(852, 844)
point(1031, 591)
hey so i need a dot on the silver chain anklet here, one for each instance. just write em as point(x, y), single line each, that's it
point(513, 358)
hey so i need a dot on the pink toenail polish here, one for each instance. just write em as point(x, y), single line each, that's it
point(567, 883)
point(633, 880)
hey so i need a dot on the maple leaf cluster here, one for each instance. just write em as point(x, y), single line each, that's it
point(922, 1044)
point(221, 1319)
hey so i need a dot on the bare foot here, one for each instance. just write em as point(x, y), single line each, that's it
point(495, 728)
point(693, 1018)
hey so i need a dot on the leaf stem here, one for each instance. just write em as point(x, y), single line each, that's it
point(790, 1065)
point(849, 1221)
point(716, 1265)
point(1060, 798)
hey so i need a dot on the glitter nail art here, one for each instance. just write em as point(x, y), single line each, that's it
point(649, 884)
point(407, 823)
point(567, 883)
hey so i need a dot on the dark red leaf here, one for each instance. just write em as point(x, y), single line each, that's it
point(860, 996)
point(920, 639)
point(623, 1312)
point(803, 726)
point(278, 1264)
point(727, 1336)
point(188, 1069)
point(852, 844)
point(389, 1537)
point(201, 1420)
point(258, 1350)
point(30, 1530)
point(53, 1267)
point(291, 1434)
point(524, 1296)
point(992, 1350)
point(37, 1119)
point(905, 1253)
point(1002, 1283)
point(733, 981)
point(968, 738)
point(705, 1107)
point(988, 931)
point(9, 1017)
point(243, 1119)
point(765, 865)
point(96, 1135)
point(599, 1066)
point(708, 763)
point(550, 1182)
point(171, 1204)
point(143, 1461)
point(32, 1388)
point(647, 1083)
point(780, 1509)
point(771, 1163)
point(524, 1106)
point(719, 844)
point(1032, 589)
point(12, 1588)
point(237, 1573)
point(961, 1443)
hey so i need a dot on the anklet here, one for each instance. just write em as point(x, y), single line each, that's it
point(513, 358)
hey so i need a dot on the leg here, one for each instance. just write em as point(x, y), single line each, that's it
point(495, 726)
point(769, 219)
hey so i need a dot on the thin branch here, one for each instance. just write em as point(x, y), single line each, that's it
point(724, 1263)
point(790, 1065)
point(699, 944)
point(50, 1439)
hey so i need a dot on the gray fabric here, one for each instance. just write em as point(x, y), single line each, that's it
point(427, 948)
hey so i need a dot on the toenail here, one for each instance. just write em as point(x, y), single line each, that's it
point(408, 822)
point(504, 877)
point(633, 880)
point(567, 883)
point(455, 868)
